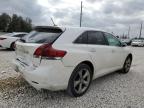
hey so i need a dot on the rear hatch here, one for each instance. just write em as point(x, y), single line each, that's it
point(26, 46)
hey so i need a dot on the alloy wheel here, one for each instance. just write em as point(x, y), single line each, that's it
point(127, 65)
point(81, 81)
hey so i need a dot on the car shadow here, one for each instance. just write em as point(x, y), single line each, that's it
point(98, 85)
point(4, 49)
point(97, 81)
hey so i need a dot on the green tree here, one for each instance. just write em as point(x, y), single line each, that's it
point(13, 26)
point(5, 19)
point(18, 24)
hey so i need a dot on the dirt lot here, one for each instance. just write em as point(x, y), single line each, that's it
point(111, 91)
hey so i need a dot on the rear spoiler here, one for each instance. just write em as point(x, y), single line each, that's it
point(52, 29)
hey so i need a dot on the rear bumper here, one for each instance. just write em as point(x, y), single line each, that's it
point(52, 76)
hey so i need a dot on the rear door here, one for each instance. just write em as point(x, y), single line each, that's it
point(100, 52)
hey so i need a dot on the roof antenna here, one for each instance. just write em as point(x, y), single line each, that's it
point(53, 22)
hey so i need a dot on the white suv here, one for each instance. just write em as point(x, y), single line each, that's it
point(68, 58)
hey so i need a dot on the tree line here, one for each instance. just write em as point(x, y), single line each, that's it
point(14, 23)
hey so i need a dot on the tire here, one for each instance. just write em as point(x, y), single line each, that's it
point(80, 80)
point(12, 46)
point(127, 65)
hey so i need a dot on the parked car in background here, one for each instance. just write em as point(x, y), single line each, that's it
point(69, 58)
point(127, 41)
point(8, 40)
point(138, 42)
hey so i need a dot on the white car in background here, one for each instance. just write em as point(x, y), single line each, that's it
point(138, 42)
point(8, 40)
point(66, 58)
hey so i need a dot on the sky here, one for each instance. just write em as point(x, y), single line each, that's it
point(107, 15)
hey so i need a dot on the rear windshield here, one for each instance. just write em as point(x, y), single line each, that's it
point(41, 37)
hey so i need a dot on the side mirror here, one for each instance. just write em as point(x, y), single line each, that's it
point(123, 44)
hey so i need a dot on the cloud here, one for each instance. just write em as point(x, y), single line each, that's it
point(25, 8)
point(127, 7)
point(93, 1)
point(109, 15)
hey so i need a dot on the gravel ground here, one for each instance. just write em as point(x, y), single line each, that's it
point(111, 91)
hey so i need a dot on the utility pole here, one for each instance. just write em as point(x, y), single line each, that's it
point(128, 31)
point(81, 15)
point(141, 29)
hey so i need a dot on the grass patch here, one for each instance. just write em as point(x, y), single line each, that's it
point(11, 83)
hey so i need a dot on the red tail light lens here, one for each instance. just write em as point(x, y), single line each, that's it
point(48, 51)
point(2, 38)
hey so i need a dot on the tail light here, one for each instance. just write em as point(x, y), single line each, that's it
point(2, 38)
point(47, 51)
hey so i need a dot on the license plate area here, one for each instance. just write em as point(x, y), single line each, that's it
point(23, 57)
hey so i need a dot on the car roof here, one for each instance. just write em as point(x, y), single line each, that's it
point(63, 28)
point(69, 33)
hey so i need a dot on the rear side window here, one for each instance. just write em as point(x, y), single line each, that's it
point(96, 37)
point(82, 39)
point(41, 36)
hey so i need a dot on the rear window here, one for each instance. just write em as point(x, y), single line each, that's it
point(41, 36)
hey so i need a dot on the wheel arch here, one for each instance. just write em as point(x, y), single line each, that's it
point(130, 55)
point(87, 62)
point(69, 89)
point(11, 45)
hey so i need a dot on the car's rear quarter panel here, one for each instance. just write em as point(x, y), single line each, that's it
point(75, 53)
